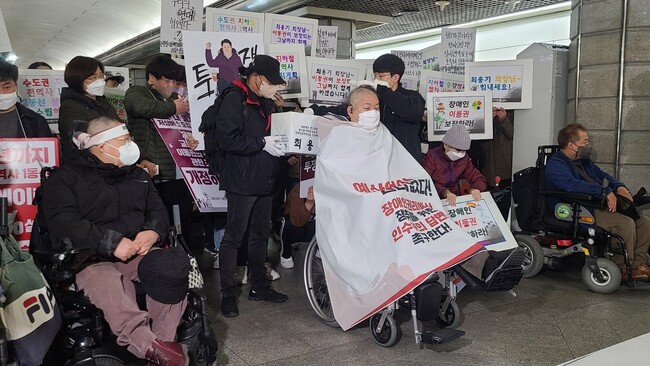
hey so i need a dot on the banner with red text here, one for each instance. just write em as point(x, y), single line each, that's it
point(21, 161)
point(380, 226)
point(192, 164)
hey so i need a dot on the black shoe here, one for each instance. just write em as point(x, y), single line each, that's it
point(229, 306)
point(267, 294)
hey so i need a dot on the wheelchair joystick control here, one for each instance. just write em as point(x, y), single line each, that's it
point(497, 180)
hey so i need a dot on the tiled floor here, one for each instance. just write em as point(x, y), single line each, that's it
point(552, 319)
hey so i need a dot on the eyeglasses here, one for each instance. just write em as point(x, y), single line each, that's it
point(379, 75)
point(96, 77)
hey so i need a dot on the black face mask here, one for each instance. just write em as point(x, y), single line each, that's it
point(584, 152)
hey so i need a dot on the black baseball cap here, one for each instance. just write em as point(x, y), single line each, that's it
point(267, 66)
point(117, 77)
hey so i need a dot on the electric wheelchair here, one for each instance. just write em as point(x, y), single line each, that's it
point(549, 237)
point(432, 301)
point(85, 339)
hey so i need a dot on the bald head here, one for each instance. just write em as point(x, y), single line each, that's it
point(362, 99)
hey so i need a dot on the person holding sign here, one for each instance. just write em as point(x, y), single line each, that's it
point(498, 151)
point(249, 166)
point(401, 109)
point(227, 63)
point(448, 163)
point(82, 100)
point(16, 120)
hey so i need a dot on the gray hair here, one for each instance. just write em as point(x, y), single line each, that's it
point(358, 91)
point(100, 124)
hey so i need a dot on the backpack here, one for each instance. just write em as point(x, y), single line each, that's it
point(213, 153)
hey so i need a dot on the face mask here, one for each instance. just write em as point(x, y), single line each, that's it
point(8, 100)
point(584, 152)
point(381, 82)
point(455, 155)
point(369, 118)
point(129, 153)
point(96, 88)
point(180, 90)
point(267, 90)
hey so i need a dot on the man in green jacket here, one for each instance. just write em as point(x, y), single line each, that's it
point(157, 100)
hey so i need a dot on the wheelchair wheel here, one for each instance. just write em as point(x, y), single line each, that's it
point(607, 281)
point(449, 317)
point(316, 287)
point(389, 333)
point(533, 255)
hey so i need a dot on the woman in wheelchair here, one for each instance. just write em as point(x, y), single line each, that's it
point(449, 163)
point(106, 207)
point(572, 170)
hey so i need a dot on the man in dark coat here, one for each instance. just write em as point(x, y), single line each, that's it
point(17, 120)
point(103, 205)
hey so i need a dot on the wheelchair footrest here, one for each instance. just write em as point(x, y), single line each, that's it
point(504, 279)
point(441, 335)
point(638, 285)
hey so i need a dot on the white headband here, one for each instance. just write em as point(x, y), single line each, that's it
point(85, 141)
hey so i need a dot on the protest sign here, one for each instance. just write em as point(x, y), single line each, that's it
point(206, 75)
point(298, 132)
point(431, 58)
point(40, 91)
point(192, 164)
point(5, 43)
point(293, 69)
point(286, 29)
point(457, 47)
point(440, 82)
point(380, 226)
point(110, 71)
point(21, 161)
point(483, 221)
point(115, 98)
point(233, 21)
point(178, 16)
point(413, 66)
point(366, 67)
point(511, 82)
point(327, 42)
point(471, 109)
point(307, 173)
point(330, 81)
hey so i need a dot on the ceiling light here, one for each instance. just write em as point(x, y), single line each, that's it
point(512, 3)
point(12, 57)
point(442, 4)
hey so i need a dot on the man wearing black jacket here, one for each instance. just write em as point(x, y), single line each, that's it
point(102, 204)
point(250, 160)
point(401, 109)
point(17, 120)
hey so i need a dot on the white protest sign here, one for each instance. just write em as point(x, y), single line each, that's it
point(233, 21)
point(483, 221)
point(413, 65)
point(471, 109)
point(457, 46)
point(327, 43)
point(293, 69)
point(21, 161)
point(192, 164)
point(286, 29)
point(511, 82)
point(5, 43)
point(380, 226)
point(178, 16)
point(203, 79)
point(366, 65)
point(298, 132)
point(431, 58)
point(330, 81)
point(40, 91)
point(440, 82)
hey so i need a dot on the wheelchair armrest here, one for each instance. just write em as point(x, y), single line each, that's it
point(469, 279)
point(568, 196)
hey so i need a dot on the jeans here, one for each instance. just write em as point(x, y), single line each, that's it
point(252, 213)
point(292, 234)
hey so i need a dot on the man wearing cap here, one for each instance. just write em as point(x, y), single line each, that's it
point(107, 208)
point(401, 109)
point(250, 159)
point(448, 163)
point(113, 81)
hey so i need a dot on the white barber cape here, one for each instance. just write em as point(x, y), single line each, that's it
point(380, 225)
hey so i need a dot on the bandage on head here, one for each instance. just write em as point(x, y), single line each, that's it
point(85, 141)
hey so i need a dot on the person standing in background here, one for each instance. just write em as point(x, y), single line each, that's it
point(498, 151)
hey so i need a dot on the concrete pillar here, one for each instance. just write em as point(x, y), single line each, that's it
point(597, 28)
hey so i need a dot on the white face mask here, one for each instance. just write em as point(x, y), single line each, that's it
point(268, 91)
point(129, 153)
point(369, 118)
point(455, 155)
point(381, 82)
point(96, 88)
point(8, 100)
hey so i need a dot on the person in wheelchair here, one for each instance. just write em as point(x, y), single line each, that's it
point(103, 205)
point(449, 163)
point(572, 170)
